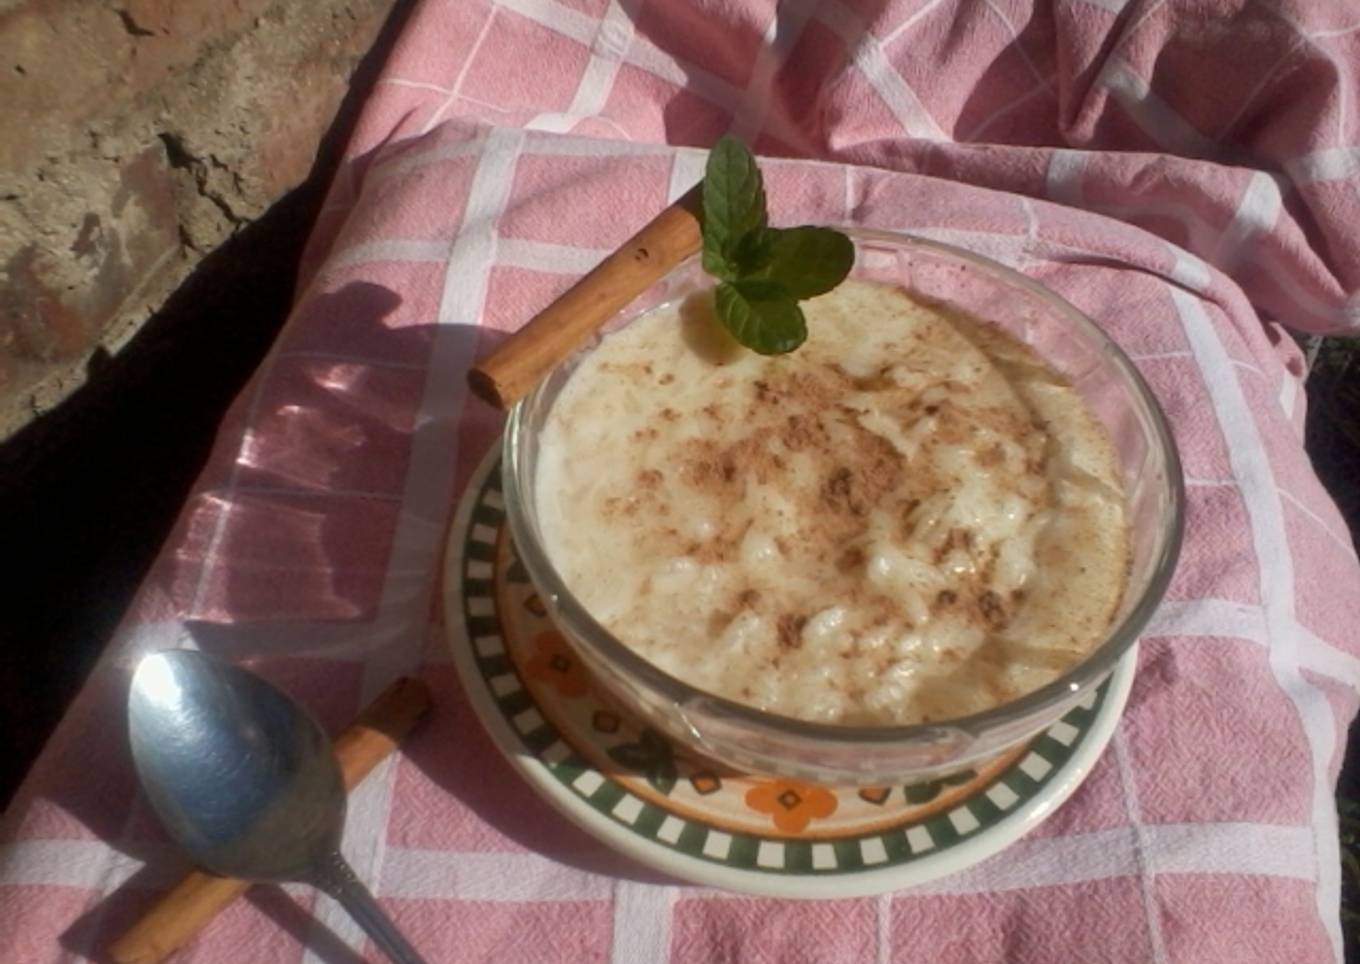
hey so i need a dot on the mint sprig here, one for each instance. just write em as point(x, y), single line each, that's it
point(763, 272)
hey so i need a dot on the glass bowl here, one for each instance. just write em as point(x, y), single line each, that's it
point(755, 741)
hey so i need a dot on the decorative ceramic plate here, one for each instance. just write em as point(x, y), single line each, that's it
point(694, 819)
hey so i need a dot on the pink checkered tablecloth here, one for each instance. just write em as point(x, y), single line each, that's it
point(1186, 174)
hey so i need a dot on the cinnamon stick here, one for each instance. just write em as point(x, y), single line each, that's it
point(522, 360)
point(192, 903)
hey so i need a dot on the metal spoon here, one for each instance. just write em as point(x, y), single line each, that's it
point(246, 781)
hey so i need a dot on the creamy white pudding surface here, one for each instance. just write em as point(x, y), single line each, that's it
point(910, 518)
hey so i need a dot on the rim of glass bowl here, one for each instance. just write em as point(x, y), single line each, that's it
point(1084, 674)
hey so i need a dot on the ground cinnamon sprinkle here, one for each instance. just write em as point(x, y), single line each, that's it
point(789, 626)
point(991, 607)
point(836, 491)
point(852, 559)
point(797, 434)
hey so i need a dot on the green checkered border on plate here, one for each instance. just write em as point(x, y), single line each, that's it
point(1022, 781)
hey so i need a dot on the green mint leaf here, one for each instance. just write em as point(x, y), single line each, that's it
point(734, 205)
point(807, 261)
point(754, 253)
point(716, 263)
point(764, 271)
point(762, 315)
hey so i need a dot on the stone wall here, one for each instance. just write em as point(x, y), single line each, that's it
point(136, 137)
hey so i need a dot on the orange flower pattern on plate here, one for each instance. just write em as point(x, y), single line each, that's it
point(554, 663)
point(792, 804)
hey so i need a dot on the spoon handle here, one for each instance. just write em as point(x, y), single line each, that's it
point(336, 877)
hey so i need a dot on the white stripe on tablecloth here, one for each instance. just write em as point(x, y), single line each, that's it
point(515, 876)
point(641, 52)
point(1234, 620)
point(1251, 468)
point(90, 864)
point(869, 58)
point(1164, 356)
point(883, 929)
point(416, 873)
point(642, 922)
point(546, 256)
point(1191, 848)
point(1289, 395)
point(908, 23)
point(647, 56)
point(1141, 851)
point(367, 251)
point(1256, 213)
point(337, 642)
point(1344, 541)
point(1230, 848)
point(1046, 862)
point(1150, 112)
point(555, 123)
point(1032, 242)
point(388, 166)
point(413, 85)
point(613, 37)
point(786, 25)
point(1319, 656)
point(1202, 234)
point(398, 627)
point(1334, 32)
point(1208, 617)
point(1189, 270)
point(687, 170)
point(1113, 6)
point(540, 144)
point(1010, 249)
point(286, 492)
point(1329, 164)
point(564, 20)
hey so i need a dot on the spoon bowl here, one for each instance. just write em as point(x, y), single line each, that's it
point(245, 780)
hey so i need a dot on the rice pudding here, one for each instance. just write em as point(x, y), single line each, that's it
point(910, 518)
